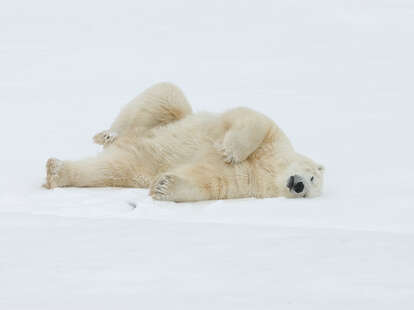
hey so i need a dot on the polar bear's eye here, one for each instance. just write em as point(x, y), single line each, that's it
point(311, 179)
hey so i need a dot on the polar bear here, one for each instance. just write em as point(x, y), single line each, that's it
point(157, 142)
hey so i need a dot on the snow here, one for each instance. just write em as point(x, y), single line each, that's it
point(335, 75)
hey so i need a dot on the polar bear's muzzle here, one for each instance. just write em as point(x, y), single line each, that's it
point(295, 184)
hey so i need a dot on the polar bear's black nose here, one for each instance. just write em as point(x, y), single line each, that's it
point(298, 187)
point(296, 184)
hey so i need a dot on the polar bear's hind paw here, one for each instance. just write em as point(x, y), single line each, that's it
point(105, 137)
point(53, 167)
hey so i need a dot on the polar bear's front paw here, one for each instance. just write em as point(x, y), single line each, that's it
point(162, 188)
point(53, 168)
point(105, 137)
point(230, 156)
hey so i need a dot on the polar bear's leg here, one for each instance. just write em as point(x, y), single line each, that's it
point(156, 106)
point(93, 172)
point(199, 182)
point(247, 130)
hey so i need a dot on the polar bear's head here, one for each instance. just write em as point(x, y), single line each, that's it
point(302, 177)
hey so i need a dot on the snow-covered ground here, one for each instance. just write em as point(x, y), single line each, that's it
point(337, 76)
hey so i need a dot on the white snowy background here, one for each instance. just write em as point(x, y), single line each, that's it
point(336, 75)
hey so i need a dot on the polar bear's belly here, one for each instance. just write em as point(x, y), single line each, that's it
point(181, 142)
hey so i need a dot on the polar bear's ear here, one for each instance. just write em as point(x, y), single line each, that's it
point(321, 168)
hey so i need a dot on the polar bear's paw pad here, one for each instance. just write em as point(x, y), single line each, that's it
point(53, 167)
point(161, 189)
point(105, 137)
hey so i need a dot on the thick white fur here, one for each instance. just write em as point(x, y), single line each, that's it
point(157, 142)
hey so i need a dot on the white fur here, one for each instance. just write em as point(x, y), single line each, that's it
point(157, 142)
